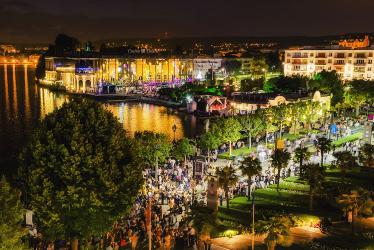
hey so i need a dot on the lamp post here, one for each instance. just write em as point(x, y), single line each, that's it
point(174, 130)
point(253, 218)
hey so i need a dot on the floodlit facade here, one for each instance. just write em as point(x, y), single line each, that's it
point(84, 74)
point(348, 63)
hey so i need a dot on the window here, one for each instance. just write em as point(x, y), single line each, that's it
point(311, 54)
point(329, 61)
point(369, 69)
point(370, 54)
point(350, 54)
point(330, 54)
point(370, 61)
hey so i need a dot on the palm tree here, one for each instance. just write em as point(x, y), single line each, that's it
point(226, 179)
point(301, 154)
point(313, 174)
point(323, 145)
point(345, 161)
point(366, 155)
point(356, 203)
point(276, 228)
point(279, 160)
point(250, 167)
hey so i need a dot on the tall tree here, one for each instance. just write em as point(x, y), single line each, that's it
point(277, 229)
point(329, 82)
point(345, 161)
point(279, 160)
point(302, 155)
point(280, 113)
point(253, 125)
point(208, 141)
point(79, 172)
point(323, 146)
point(183, 148)
point(11, 216)
point(356, 203)
point(227, 130)
point(314, 175)
point(250, 167)
point(366, 155)
point(226, 179)
point(149, 149)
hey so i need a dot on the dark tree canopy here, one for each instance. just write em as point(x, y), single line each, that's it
point(11, 217)
point(79, 172)
point(66, 43)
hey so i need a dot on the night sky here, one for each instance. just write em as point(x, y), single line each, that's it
point(40, 20)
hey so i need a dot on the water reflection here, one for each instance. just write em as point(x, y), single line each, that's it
point(24, 104)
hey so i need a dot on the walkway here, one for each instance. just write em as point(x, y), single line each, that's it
point(242, 242)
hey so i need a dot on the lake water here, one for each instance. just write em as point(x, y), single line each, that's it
point(23, 104)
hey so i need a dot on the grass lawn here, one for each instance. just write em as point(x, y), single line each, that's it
point(293, 197)
point(244, 151)
point(346, 139)
point(237, 152)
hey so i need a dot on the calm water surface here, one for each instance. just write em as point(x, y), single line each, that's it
point(23, 104)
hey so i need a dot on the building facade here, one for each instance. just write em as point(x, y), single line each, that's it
point(348, 63)
point(84, 74)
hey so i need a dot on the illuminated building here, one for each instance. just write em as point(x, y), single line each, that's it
point(348, 63)
point(354, 44)
point(84, 74)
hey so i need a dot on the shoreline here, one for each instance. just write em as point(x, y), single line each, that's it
point(121, 98)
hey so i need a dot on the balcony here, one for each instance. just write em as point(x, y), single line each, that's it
point(299, 56)
point(320, 63)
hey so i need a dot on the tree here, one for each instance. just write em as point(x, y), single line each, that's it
point(279, 160)
point(231, 66)
point(258, 67)
point(182, 149)
point(314, 175)
point(226, 179)
point(277, 230)
point(40, 68)
point(345, 161)
point(354, 99)
point(329, 82)
point(65, 43)
point(227, 130)
point(208, 141)
point(289, 84)
point(356, 203)
point(310, 113)
point(149, 149)
point(366, 155)
point(280, 113)
point(250, 167)
point(323, 146)
point(11, 216)
point(253, 125)
point(203, 219)
point(79, 172)
point(302, 154)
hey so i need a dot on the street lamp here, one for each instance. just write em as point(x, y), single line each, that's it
point(174, 130)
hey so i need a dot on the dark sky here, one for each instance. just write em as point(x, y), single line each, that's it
point(40, 20)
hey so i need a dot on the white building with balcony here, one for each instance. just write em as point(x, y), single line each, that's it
point(348, 63)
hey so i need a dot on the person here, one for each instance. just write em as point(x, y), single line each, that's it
point(191, 235)
point(134, 240)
